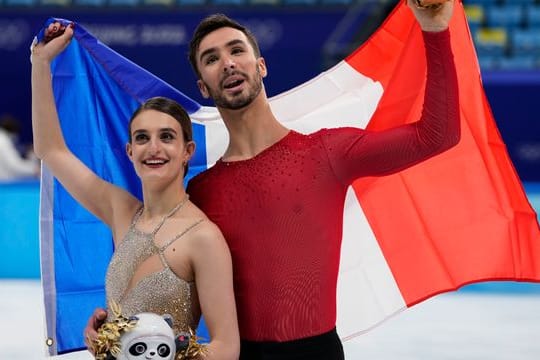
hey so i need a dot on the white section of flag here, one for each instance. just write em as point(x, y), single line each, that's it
point(367, 291)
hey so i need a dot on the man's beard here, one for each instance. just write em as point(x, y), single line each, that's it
point(240, 101)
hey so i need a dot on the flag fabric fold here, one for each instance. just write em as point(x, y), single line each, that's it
point(458, 218)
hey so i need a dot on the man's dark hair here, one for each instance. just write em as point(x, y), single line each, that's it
point(210, 24)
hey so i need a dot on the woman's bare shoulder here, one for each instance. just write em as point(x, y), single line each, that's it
point(207, 231)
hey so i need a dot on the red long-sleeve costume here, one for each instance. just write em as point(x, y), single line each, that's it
point(281, 211)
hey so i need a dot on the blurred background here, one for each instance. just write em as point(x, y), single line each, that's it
point(299, 39)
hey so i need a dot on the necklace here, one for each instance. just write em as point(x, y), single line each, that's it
point(170, 213)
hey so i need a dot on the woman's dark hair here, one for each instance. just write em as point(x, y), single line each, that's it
point(169, 107)
point(213, 23)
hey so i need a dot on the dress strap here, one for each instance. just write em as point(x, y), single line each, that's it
point(162, 248)
point(168, 243)
point(169, 214)
point(136, 217)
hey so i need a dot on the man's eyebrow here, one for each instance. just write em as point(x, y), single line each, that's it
point(213, 49)
point(235, 42)
point(206, 52)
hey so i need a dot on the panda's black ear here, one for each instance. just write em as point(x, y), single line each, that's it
point(182, 341)
point(168, 319)
point(110, 356)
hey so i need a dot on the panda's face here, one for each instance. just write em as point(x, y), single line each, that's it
point(154, 347)
point(152, 338)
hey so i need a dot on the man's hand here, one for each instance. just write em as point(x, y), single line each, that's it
point(94, 322)
point(433, 18)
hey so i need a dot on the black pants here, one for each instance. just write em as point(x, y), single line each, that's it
point(326, 346)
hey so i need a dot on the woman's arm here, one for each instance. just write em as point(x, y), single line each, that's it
point(98, 196)
point(212, 265)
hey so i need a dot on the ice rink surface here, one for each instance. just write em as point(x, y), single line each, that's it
point(458, 326)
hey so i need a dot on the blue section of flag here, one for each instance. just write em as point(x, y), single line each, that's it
point(96, 90)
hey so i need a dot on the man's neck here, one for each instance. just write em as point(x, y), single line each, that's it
point(251, 130)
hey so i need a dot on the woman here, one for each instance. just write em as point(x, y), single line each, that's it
point(164, 245)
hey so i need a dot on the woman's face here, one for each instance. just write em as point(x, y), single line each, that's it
point(157, 148)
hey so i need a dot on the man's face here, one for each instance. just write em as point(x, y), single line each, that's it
point(230, 73)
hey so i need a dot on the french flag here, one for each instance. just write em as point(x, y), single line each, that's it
point(458, 218)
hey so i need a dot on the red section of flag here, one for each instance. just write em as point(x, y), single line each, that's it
point(462, 216)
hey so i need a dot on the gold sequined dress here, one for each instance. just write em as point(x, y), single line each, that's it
point(161, 292)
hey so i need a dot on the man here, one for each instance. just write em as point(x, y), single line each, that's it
point(266, 191)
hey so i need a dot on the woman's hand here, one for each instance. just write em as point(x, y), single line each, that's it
point(57, 38)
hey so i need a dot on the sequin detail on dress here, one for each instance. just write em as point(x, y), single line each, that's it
point(162, 292)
